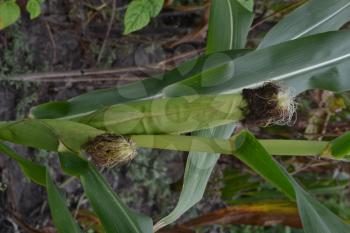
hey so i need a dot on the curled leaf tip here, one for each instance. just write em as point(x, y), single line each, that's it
point(269, 104)
point(109, 150)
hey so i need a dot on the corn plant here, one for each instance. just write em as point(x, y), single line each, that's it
point(207, 96)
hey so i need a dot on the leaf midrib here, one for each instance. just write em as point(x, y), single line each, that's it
point(324, 20)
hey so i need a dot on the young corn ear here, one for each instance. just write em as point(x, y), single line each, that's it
point(269, 104)
point(109, 150)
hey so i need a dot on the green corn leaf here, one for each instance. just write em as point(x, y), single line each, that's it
point(33, 171)
point(72, 163)
point(277, 63)
point(253, 154)
point(9, 13)
point(61, 216)
point(46, 134)
point(70, 133)
point(333, 79)
point(114, 215)
point(328, 15)
point(34, 8)
point(311, 18)
point(229, 25)
point(38, 174)
point(86, 103)
point(139, 14)
point(169, 115)
point(32, 133)
point(315, 216)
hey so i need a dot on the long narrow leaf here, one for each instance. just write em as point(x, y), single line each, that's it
point(276, 63)
point(229, 25)
point(46, 134)
point(114, 215)
point(334, 79)
point(311, 18)
point(61, 216)
point(35, 172)
point(88, 102)
point(315, 217)
point(228, 29)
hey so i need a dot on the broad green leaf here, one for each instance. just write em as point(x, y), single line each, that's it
point(61, 216)
point(168, 115)
point(247, 4)
point(46, 134)
point(32, 133)
point(253, 154)
point(72, 134)
point(155, 6)
point(332, 79)
point(114, 215)
point(86, 103)
point(315, 217)
point(277, 63)
point(38, 174)
point(311, 18)
point(229, 25)
point(72, 163)
point(139, 14)
point(9, 13)
point(34, 8)
point(33, 171)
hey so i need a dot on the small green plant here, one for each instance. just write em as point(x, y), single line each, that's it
point(139, 14)
point(206, 95)
point(10, 11)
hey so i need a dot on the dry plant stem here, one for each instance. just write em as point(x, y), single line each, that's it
point(260, 214)
point(111, 74)
point(110, 24)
